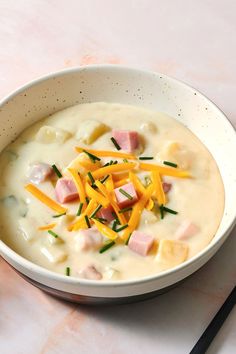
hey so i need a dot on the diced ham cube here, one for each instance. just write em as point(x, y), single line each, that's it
point(39, 172)
point(186, 229)
point(140, 243)
point(166, 187)
point(88, 239)
point(66, 190)
point(90, 272)
point(106, 213)
point(123, 200)
point(128, 140)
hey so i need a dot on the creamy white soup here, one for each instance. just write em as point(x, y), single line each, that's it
point(108, 192)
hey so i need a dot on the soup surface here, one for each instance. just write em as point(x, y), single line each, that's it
point(157, 202)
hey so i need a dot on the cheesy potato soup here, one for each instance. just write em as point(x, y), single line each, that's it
point(108, 192)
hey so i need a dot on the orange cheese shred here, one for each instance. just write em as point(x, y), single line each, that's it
point(167, 171)
point(105, 230)
point(47, 227)
point(105, 153)
point(119, 167)
point(158, 188)
point(114, 205)
point(79, 184)
point(37, 193)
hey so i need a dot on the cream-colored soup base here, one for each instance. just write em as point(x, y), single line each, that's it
point(200, 199)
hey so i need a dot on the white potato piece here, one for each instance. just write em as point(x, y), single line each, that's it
point(48, 135)
point(77, 164)
point(171, 253)
point(111, 273)
point(177, 153)
point(90, 130)
point(148, 127)
point(54, 254)
point(27, 228)
point(148, 217)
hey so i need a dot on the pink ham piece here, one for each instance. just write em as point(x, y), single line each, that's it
point(106, 213)
point(186, 229)
point(39, 172)
point(128, 140)
point(90, 272)
point(140, 243)
point(122, 200)
point(90, 239)
point(65, 190)
point(166, 187)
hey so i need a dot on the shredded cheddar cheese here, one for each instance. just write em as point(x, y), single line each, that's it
point(126, 166)
point(105, 230)
point(93, 194)
point(158, 188)
point(79, 185)
point(114, 205)
point(37, 193)
point(104, 153)
point(47, 227)
point(167, 171)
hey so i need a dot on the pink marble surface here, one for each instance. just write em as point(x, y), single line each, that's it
point(193, 41)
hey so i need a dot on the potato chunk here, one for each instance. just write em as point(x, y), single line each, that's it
point(48, 135)
point(171, 252)
point(90, 130)
point(27, 228)
point(82, 164)
point(54, 254)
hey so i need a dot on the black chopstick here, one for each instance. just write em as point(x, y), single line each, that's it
point(212, 329)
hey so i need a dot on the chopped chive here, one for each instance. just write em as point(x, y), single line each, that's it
point(106, 164)
point(58, 215)
point(127, 241)
point(172, 164)
point(87, 221)
point(87, 199)
point(91, 177)
point(102, 220)
point(122, 228)
point(171, 211)
point(114, 225)
point(115, 143)
point(92, 157)
point(125, 194)
point(162, 211)
point(106, 247)
point(67, 271)
point(125, 160)
point(55, 169)
point(115, 162)
point(116, 218)
point(104, 179)
point(146, 158)
point(125, 209)
point(53, 233)
point(79, 209)
point(95, 211)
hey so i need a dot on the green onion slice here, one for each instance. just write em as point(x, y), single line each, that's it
point(53, 233)
point(122, 191)
point(172, 164)
point(106, 247)
point(115, 143)
point(55, 169)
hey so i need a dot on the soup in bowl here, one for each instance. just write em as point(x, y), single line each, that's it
point(115, 190)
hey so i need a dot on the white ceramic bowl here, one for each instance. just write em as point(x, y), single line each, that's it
point(129, 86)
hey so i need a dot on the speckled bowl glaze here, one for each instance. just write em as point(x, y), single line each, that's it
point(120, 84)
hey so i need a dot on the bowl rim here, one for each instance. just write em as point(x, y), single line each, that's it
point(30, 266)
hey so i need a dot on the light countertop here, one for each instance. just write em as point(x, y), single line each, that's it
point(194, 41)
